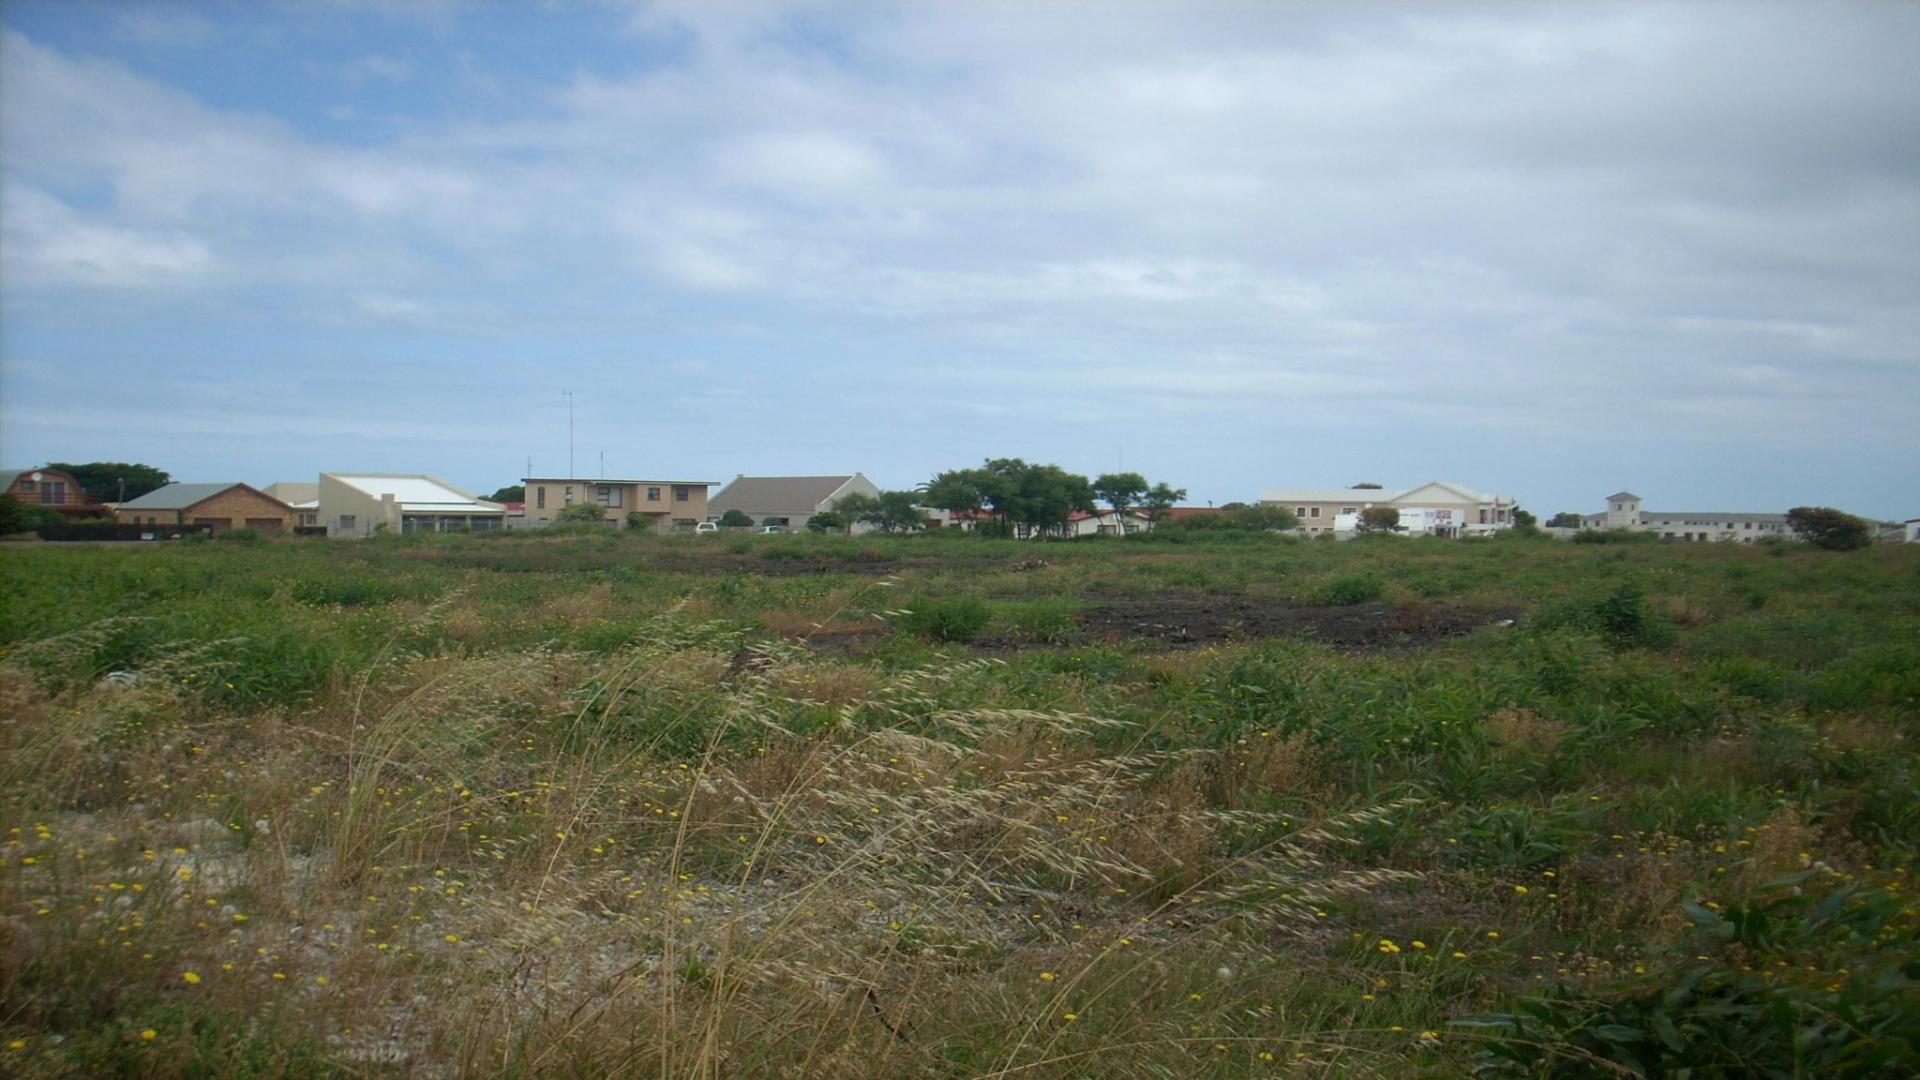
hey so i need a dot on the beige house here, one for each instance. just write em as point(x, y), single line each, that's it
point(1444, 509)
point(215, 506)
point(788, 501)
point(662, 505)
point(362, 504)
point(1711, 526)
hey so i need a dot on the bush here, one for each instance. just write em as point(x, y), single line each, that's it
point(240, 536)
point(1351, 589)
point(17, 516)
point(1614, 536)
point(580, 514)
point(736, 519)
point(955, 618)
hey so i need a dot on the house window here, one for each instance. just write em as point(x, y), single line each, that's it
point(53, 492)
point(679, 493)
point(1349, 510)
point(1483, 515)
point(347, 522)
point(609, 495)
point(540, 497)
point(1299, 511)
point(26, 487)
point(569, 493)
point(1314, 513)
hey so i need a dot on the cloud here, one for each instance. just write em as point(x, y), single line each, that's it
point(50, 244)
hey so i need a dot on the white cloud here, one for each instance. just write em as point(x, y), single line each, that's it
point(48, 243)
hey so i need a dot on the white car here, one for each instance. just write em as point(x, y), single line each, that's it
point(769, 530)
point(706, 527)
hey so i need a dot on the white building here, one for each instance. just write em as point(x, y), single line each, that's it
point(1624, 512)
point(362, 504)
point(1435, 508)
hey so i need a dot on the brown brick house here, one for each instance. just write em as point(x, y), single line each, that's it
point(52, 489)
point(218, 506)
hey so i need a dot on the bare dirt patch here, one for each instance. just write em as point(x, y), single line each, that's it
point(1187, 619)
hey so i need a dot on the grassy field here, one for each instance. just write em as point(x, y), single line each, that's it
point(598, 804)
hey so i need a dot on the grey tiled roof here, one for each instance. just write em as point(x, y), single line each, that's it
point(177, 496)
point(758, 493)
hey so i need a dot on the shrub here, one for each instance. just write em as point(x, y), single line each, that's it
point(736, 519)
point(1614, 536)
point(1351, 589)
point(955, 618)
point(580, 514)
point(240, 536)
point(17, 516)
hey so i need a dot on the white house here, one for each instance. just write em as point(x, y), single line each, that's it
point(787, 501)
point(1624, 512)
point(1438, 508)
point(362, 504)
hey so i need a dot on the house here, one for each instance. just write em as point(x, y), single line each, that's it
point(215, 506)
point(304, 498)
point(362, 504)
point(660, 505)
point(1439, 508)
point(1108, 523)
point(1624, 512)
point(787, 500)
point(52, 489)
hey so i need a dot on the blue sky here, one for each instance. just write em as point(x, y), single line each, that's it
point(1546, 250)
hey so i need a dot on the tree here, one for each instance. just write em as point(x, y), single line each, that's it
point(1365, 486)
point(736, 519)
point(514, 493)
point(1565, 519)
point(1159, 499)
point(1261, 517)
point(827, 520)
point(896, 511)
point(1120, 491)
point(1523, 519)
point(1379, 519)
point(102, 480)
point(1037, 496)
point(855, 506)
point(1825, 527)
point(589, 513)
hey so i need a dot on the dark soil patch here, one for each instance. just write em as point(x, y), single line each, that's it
point(1186, 619)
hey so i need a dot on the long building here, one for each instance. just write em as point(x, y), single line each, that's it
point(1624, 512)
point(1449, 510)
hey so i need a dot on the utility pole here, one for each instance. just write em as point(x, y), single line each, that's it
point(570, 471)
point(603, 464)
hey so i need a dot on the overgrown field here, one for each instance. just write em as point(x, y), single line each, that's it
point(597, 804)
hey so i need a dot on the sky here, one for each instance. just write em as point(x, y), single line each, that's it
point(1546, 250)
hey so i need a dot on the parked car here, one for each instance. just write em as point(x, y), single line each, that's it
point(769, 530)
point(706, 527)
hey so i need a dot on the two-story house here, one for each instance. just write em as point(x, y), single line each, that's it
point(52, 489)
point(661, 505)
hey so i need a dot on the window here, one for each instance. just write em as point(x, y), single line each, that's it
point(53, 493)
point(569, 495)
point(1349, 509)
point(540, 497)
point(653, 494)
point(683, 524)
point(1299, 511)
point(1315, 512)
point(609, 495)
point(679, 493)
point(346, 522)
point(1483, 515)
point(26, 487)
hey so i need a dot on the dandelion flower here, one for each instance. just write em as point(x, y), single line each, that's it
point(453, 939)
point(192, 977)
point(1069, 1017)
point(1520, 889)
point(1046, 976)
point(149, 1035)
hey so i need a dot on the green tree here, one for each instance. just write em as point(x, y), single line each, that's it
point(1121, 491)
point(896, 511)
point(1565, 519)
point(736, 519)
point(1261, 517)
point(1524, 519)
point(1379, 519)
point(1159, 499)
point(827, 521)
point(1825, 527)
point(855, 506)
point(103, 480)
point(580, 512)
point(513, 493)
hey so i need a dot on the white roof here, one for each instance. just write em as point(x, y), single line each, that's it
point(418, 492)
